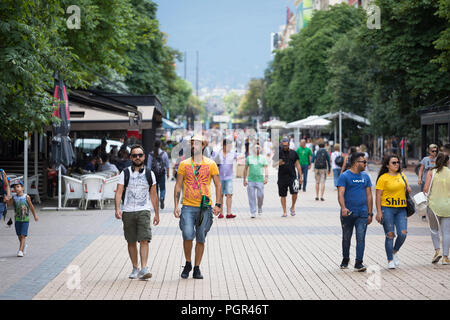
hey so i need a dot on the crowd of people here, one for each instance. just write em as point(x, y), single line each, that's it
point(142, 185)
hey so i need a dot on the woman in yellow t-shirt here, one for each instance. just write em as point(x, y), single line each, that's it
point(391, 206)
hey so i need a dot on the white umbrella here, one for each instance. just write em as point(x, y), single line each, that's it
point(299, 124)
point(274, 124)
point(316, 123)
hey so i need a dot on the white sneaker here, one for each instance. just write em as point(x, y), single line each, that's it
point(253, 215)
point(20, 253)
point(260, 211)
point(25, 249)
point(391, 265)
point(396, 260)
point(134, 273)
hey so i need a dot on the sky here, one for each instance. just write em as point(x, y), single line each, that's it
point(231, 36)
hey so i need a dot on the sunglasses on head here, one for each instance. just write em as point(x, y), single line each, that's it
point(135, 155)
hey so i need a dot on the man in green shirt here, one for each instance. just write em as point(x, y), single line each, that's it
point(305, 157)
point(258, 173)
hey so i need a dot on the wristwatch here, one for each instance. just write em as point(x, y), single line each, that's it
point(370, 214)
point(218, 205)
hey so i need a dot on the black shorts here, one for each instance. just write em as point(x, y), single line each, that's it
point(284, 185)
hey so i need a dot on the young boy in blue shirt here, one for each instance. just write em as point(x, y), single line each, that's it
point(356, 201)
point(22, 206)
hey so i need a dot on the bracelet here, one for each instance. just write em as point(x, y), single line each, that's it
point(218, 205)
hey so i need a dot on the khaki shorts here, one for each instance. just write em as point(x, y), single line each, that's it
point(321, 175)
point(136, 226)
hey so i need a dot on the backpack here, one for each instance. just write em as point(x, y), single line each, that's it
point(2, 183)
point(321, 159)
point(158, 165)
point(339, 161)
point(126, 172)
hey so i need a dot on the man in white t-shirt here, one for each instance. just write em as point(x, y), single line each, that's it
point(135, 213)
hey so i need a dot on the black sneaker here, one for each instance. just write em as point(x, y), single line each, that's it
point(344, 264)
point(186, 270)
point(197, 274)
point(359, 267)
point(161, 203)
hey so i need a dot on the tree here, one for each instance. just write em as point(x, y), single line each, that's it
point(232, 101)
point(249, 104)
point(443, 42)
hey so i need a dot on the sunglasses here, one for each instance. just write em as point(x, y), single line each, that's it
point(395, 162)
point(135, 155)
point(197, 169)
point(434, 151)
point(364, 161)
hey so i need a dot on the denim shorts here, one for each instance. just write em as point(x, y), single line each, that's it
point(2, 209)
point(188, 223)
point(22, 228)
point(227, 186)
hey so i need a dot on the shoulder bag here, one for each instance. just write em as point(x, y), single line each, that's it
point(410, 207)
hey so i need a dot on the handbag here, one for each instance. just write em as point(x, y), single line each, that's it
point(410, 206)
point(421, 199)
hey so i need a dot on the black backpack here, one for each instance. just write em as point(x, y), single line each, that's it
point(321, 159)
point(126, 172)
point(339, 161)
point(158, 165)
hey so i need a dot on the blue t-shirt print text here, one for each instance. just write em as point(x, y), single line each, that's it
point(355, 191)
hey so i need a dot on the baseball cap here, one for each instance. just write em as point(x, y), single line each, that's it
point(17, 182)
point(285, 140)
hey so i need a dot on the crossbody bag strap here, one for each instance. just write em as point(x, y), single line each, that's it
point(431, 183)
point(406, 185)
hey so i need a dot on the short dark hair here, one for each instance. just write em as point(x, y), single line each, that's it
point(355, 156)
point(157, 143)
point(136, 146)
point(321, 145)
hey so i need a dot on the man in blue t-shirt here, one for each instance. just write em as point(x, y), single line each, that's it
point(355, 199)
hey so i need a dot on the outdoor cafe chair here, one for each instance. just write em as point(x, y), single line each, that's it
point(33, 187)
point(74, 190)
point(93, 189)
point(109, 188)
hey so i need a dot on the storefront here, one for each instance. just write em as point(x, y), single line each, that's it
point(435, 123)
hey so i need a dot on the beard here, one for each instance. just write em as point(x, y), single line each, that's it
point(196, 152)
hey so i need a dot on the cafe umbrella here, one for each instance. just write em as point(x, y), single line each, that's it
point(62, 150)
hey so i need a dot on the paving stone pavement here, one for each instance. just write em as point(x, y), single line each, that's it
point(83, 255)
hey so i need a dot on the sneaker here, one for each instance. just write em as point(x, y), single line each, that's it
point(144, 274)
point(260, 211)
point(437, 257)
point(396, 260)
point(391, 265)
point(284, 215)
point(253, 215)
point(344, 263)
point(20, 253)
point(231, 216)
point(317, 199)
point(322, 199)
point(197, 274)
point(25, 249)
point(359, 267)
point(292, 212)
point(161, 202)
point(446, 261)
point(186, 270)
point(220, 216)
point(134, 273)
